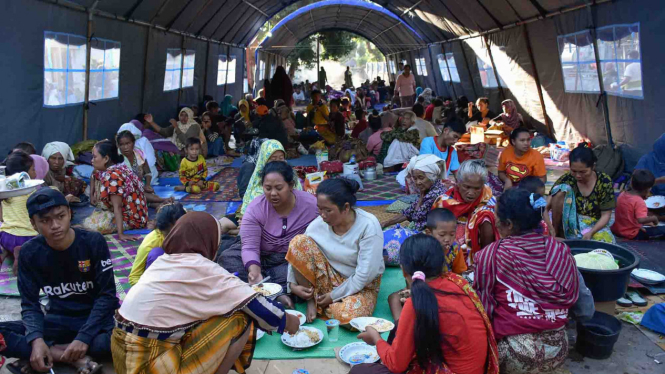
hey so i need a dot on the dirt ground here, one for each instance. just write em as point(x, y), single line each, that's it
point(629, 357)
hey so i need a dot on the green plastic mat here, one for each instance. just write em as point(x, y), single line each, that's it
point(270, 347)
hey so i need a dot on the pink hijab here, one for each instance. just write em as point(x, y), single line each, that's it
point(41, 166)
point(511, 117)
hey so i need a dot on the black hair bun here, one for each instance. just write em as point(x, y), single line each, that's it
point(351, 184)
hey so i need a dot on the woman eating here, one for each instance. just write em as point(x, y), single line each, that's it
point(582, 200)
point(271, 150)
point(337, 264)
point(440, 302)
point(483, 115)
point(59, 156)
point(268, 225)
point(120, 194)
point(189, 315)
point(472, 202)
point(519, 160)
point(400, 144)
point(527, 283)
point(179, 131)
point(135, 160)
point(427, 173)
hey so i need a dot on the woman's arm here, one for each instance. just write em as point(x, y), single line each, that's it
point(250, 232)
point(94, 198)
point(270, 316)
point(147, 174)
point(507, 182)
point(393, 221)
point(116, 201)
point(486, 234)
point(163, 131)
point(605, 216)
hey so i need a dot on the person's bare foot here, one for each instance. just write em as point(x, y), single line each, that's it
point(311, 310)
point(87, 365)
point(286, 301)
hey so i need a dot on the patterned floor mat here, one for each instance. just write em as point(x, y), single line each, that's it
point(386, 188)
point(122, 255)
point(228, 191)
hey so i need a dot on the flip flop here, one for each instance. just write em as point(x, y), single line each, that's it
point(636, 298)
point(625, 302)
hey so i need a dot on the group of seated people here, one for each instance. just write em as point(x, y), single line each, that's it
point(322, 249)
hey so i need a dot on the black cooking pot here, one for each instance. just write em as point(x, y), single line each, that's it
point(606, 285)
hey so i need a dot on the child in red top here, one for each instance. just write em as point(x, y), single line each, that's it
point(361, 125)
point(440, 302)
point(631, 211)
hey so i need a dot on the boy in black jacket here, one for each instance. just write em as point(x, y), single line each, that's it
point(73, 268)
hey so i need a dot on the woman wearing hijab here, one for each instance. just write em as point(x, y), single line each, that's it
point(181, 130)
point(654, 161)
point(426, 173)
point(227, 108)
point(280, 87)
point(59, 157)
point(41, 166)
point(510, 117)
point(271, 150)
point(427, 95)
point(143, 144)
point(187, 314)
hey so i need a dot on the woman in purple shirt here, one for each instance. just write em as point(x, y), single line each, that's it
point(270, 222)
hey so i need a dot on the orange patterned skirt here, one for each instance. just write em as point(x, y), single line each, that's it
point(306, 258)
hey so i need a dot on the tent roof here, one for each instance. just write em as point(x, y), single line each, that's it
point(238, 21)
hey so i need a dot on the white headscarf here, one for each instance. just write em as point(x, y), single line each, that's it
point(432, 166)
point(59, 147)
point(143, 144)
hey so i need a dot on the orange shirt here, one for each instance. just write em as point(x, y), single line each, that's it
point(459, 264)
point(518, 168)
point(629, 208)
point(463, 334)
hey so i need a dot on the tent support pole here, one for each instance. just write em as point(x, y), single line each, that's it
point(145, 70)
point(226, 74)
point(205, 73)
point(603, 95)
point(468, 68)
point(536, 77)
point(452, 84)
point(431, 67)
point(496, 72)
point(88, 50)
point(182, 69)
point(318, 62)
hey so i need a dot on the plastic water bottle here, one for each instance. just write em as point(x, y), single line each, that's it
point(352, 160)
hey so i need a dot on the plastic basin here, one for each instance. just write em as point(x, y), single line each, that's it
point(596, 337)
point(606, 285)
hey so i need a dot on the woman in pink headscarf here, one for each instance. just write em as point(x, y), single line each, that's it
point(510, 117)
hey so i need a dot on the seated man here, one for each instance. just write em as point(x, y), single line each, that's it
point(443, 146)
point(73, 267)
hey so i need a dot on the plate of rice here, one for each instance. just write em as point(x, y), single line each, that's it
point(305, 337)
point(379, 324)
point(269, 290)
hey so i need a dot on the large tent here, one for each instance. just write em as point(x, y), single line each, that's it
point(552, 57)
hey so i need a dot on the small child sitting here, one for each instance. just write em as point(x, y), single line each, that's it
point(441, 225)
point(536, 185)
point(16, 227)
point(194, 171)
point(631, 211)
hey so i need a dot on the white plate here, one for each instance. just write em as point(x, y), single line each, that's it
point(361, 323)
point(271, 289)
point(298, 314)
point(305, 341)
point(656, 202)
point(358, 353)
point(30, 186)
point(648, 276)
point(259, 334)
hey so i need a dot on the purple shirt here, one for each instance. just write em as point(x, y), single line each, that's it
point(263, 230)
